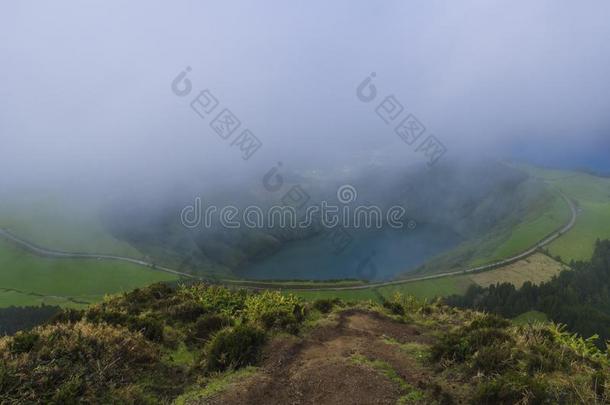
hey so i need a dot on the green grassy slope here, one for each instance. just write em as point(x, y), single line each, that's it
point(541, 211)
point(83, 280)
point(425, 289)
point(534, 228)
point(204, 344)
point(368, 294)
point(592, 194)
point(60, 224)
point(428, 289)
point(530, 317)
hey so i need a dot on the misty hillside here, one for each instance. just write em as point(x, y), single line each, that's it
point(470, 201)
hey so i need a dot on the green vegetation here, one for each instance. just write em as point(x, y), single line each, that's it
point(65, 362)
point(161, 330)
point(536, 226)
point(192, 343)
point(428, 289)
point(271, 309)
point(66, 282)
point(409, 393)
point(234, 348)
point(530, 317)
point(288, 284)
point(524, 364)
point(215, 386)
point(510, 219)
point(61, 224)
point(425, 289)
point(366, 294)
point(592, 194)
point(13, 319)
point(579, 298)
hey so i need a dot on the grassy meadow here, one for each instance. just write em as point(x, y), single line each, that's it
point(534, 228)
point(57, 223)
point(536, 268)
point(26, 279)
point(592, 194)
point(425, 289)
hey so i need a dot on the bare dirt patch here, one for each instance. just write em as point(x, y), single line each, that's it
point(320, 368)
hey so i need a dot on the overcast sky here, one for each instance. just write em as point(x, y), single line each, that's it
point(85, 87)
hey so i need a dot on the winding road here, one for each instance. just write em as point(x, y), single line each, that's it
point(40, 251)
point(261, 286)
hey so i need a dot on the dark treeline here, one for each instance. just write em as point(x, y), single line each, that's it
point(579, 299)
point(13, 319)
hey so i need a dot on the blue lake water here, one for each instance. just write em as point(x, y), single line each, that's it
point(382, 254)
point(372, 255)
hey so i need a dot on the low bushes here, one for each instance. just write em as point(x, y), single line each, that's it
point(63, 363)
point(206, 325)
point(513, 388)
point(149, 326)
point(188, 311)
point(401, 304)
point(272, 309)
point(214, 298)
point(233, 348)
point(487, 332)
point(523, 364)
point(23, 342)
point(325, 305)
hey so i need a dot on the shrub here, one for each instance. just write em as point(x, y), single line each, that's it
point(489, 321)
point(151, 328)
point(186, 312)
point(400, 304)
point(598, 384)
point(69, 315)
point(272, 309)
point(451, 346)
point(543, 358)
point(214, 298)
point(325, 305)
point(207, 324)
point(512, 388)
point(23, 342)
point(494, 359)
point(485, 337)
point(394, 307)
point(233, 348)
point(69, 391)
point(73, 362)
point(153, 292)
point(462, 344)
point(99, 314)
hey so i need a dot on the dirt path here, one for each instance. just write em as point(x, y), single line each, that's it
point(360, 358)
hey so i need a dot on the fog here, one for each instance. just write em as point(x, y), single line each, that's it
point(86, 95)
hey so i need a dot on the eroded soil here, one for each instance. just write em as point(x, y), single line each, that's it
point(359, 357)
